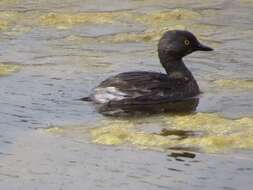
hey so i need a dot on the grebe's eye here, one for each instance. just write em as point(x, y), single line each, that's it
point(187, 42)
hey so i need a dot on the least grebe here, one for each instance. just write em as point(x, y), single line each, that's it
point(154, 92)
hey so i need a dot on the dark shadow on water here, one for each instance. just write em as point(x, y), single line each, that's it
point(180, 152)
point(182, 134)
point(182, 155)
point(117, 109)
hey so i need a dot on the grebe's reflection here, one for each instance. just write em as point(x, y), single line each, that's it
point(147, 108)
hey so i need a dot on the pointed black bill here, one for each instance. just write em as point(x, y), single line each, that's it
point(202, 47)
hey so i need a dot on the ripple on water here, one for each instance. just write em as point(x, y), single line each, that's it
point(202, 131)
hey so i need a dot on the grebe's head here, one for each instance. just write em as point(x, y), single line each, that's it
point(176, 44)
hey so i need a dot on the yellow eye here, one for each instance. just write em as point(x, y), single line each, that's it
point(187, 42)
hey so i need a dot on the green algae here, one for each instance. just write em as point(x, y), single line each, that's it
point(149, 35)
point(3, 24)
point(222, 133)
point(205, 132)
point(235, 84)
point(163, 19)
point(159, 22)
point(157, 19)
point(15, 22)
point(67, 20)
point(9, 1)
point(246, 1)
point(8, 69)
point(156, 23)
point(9, 16)
point(146, 36)
point(217, 134)
point(5, 18)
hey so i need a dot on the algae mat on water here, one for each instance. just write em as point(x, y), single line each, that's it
point(3, 24)
point(205, 132)
point(157, 19)
point(155, 23)
point(7, 69)
point(234, 84)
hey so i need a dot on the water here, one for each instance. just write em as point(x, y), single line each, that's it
point(52, 53)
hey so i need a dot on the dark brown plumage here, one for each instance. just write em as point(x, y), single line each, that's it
point(152, 92)
point(152, 87)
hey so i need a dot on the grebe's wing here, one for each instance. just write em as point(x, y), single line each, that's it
point(140, 87)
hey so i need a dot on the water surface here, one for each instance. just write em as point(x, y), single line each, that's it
point(52, 53)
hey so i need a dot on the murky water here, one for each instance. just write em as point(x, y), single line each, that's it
point(54, 52)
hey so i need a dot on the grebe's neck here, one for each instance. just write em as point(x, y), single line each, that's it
point(175, 67)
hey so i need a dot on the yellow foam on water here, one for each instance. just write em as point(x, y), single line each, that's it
point(7, 69)
point(235, 84)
